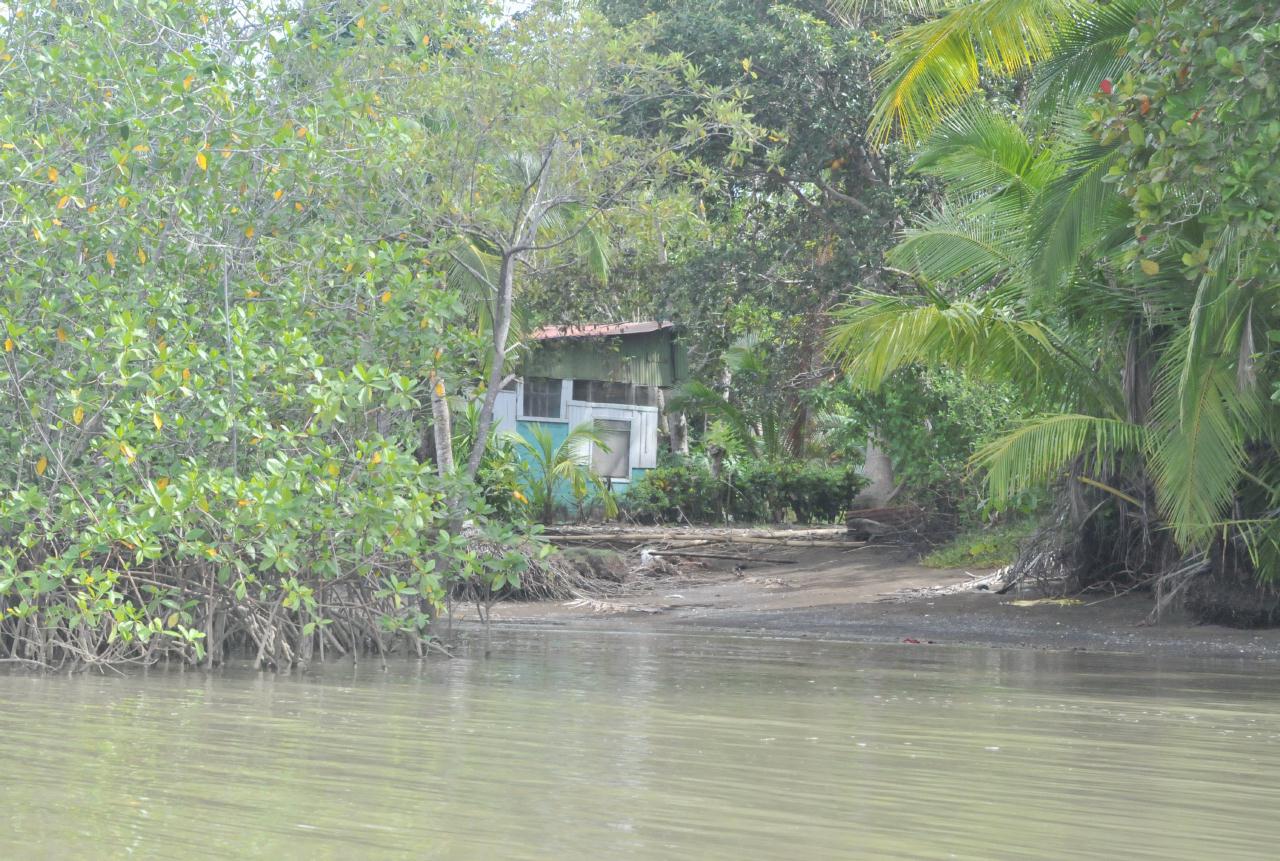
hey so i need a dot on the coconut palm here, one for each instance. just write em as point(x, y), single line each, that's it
point(552, 466)
point(1066, 47)
point(1141, 388)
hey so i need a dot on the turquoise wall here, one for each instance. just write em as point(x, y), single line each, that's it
point(558, 431)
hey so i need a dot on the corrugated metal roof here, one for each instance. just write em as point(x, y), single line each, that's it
point(599, 330)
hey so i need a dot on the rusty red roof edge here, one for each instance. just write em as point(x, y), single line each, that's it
point(599, 330)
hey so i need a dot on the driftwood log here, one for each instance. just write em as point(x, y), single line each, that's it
point(868, 523)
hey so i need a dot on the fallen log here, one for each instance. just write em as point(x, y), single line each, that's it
point(695, 533)
point(636, 541)
point(735, 557)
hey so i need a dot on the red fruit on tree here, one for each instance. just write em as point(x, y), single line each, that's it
point(1105, 86)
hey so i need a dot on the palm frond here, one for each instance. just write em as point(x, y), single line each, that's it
point(1086, 50)
point(1076, 210)
point(883, 334)
point(967, 247)
point(934, 66)
point(1204, 417)
point(1198, 449)
point(695, 396)
point(978, 152)
point(1040, 449)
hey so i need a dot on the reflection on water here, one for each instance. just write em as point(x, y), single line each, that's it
point(603, 746)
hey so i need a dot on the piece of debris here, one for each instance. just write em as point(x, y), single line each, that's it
point(1037, 602)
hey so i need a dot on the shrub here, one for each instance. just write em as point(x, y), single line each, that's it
point(745, 491)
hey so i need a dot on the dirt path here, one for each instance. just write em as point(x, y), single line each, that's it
point(881, 594)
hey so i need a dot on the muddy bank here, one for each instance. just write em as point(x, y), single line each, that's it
point(881, 594)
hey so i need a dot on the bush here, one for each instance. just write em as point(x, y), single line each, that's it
point(684, 491)
point(745, 491)
point(982, 548)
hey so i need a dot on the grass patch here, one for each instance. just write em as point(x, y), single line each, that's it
point(981, 548)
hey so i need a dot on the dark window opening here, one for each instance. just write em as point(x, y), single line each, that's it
point(542, 397)
point(602, 392)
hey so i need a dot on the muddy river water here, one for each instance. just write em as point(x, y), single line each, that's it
point(597, 745)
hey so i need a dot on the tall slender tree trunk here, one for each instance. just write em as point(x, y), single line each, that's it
point(442, 427)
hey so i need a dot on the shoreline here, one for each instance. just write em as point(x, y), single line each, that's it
point(882, 596)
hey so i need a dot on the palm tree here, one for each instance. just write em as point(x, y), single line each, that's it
point(1066, 47)
point(1140, 386)
point(552, 465)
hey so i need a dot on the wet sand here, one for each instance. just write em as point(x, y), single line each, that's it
point(882, 594)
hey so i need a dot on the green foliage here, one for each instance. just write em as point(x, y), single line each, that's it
point(682, 492)
point(745, 491)
point(930, 423)
point(989, 547)
point(246, 246)
point(1118, 267)
point(552, 468)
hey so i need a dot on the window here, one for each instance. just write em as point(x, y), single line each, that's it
point(542, 397)
point(601, 392)
point(616, 462)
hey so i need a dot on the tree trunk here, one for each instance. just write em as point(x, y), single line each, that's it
point(442, 426)
point(879, 469)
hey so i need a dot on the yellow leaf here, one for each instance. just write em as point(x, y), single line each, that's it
point(53, 174)
point(279, 193)
point(142, 148)
point(426, 40)
point(41, 465)
point(298, 206)
point(77, 415)
point(384, 7)
point(171, 620)
point(63, 201)
point(301, 132)
point(61, 334)
point(385, 297)
point(186, 374)
point(129, 454)
point(377, 458)
point(360, 24)
point(226, 153)
point(111, 260)
point(188, 81)
point(35, 231)
point(202, 160)
point(334, 470)
point(439, 390)
point(242, 502)
point(746, 64)
point(123, 202)
point(162, 483)
point(248, 232)
point(142, 256)
point(157, 421)
point(1150, 267)
point(8, 345)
